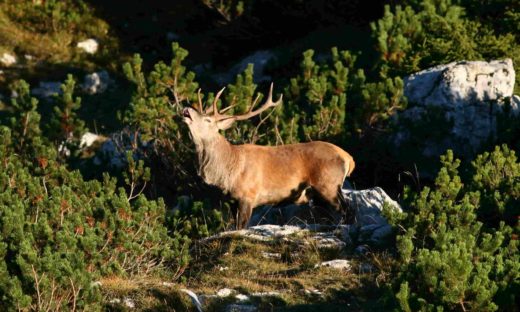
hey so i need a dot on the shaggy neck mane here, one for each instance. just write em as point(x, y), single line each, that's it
point(219, 164)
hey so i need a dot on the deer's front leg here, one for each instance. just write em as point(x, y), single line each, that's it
point(243, 215)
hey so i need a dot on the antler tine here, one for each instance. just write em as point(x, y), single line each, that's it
point(199, 96)
point(254, 103)
point(213, 109)
point(268, 103)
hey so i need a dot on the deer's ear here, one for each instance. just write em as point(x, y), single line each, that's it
point(225, 123)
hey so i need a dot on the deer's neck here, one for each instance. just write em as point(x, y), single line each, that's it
point(219, 164)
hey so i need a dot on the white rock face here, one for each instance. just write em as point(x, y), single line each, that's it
point(370, 225)
point(338, 264)
point(461, 83)
point(47, 89)
point(8, 59)
point(97, 82)
point(369, 204)
point(90, 46)
point(468, 95)
point(90, 138)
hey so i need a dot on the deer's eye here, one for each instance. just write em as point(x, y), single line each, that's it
point(207, 120)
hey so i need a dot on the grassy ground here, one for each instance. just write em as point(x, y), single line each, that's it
point(44, 37)
point(276, 275)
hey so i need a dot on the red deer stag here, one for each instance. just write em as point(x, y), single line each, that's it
point(258, 175)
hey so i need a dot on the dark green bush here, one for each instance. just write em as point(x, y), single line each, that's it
point(60, 233)
point(449, 258)
point(432, 32)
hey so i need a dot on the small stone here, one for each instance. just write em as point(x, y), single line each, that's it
point(339, 264)
point(90, 46)
point(168, 284)
point(328, 240)
point(90, 138)
point(96, 83)
point(129, 303)
point(271, 255)
point(7, 59)
point(242, 297)
point(225, 292)
point(266, 294)
point(28, 57)
point(313, 291)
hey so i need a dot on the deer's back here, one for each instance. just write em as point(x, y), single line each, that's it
point(285, 168)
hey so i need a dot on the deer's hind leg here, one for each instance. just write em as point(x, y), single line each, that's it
point(243, 215)
point(332, 195)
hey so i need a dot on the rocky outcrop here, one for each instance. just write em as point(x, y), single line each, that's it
point(370, 225)
point(323, 237)
point(461, 83)
point(467, 95)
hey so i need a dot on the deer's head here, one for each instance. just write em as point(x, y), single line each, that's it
point(204, 124)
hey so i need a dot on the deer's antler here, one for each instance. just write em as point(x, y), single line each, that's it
point(250, 112)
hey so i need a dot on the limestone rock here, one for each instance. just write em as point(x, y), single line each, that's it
point(270, 231)
point(7, 59)
point(89, 138)
point(90, 46)
point(461, 83)
point(339, 264)
point(96, 83)
point(467, 95)
point(225, 292)
point(129, 303)
point(327, 240)
point(370, 225)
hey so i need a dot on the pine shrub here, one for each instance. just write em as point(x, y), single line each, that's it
point(60, 233)
point(450, 259)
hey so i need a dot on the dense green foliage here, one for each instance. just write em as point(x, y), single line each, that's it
point(60, 233)
point(432, 32)
point(449, 257)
